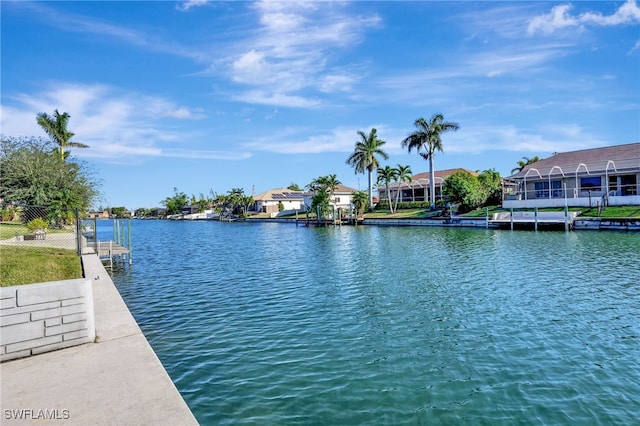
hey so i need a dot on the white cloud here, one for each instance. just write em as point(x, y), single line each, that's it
point(205, 154)
point(290, 53)
point(550, 138)
point(249, 67)
point(286, 142)
point(184, 6)
point(276, 99)
point(341, 139)
point(628, 13)
point(336, 82)
point(560, 18)
point(556, 19)
point(81, 24)
point(115, 124)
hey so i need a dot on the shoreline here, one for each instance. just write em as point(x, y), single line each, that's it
point(578, 224)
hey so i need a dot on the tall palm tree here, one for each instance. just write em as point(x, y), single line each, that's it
point(56, 127)
point(426, 141)
point(524, 163)
point(385, 176)
point(365, 156)
point(403, 174)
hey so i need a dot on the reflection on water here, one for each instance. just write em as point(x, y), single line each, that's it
point(273, 324)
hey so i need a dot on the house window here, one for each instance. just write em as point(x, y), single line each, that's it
point(337, 199)
point(542, 189)
point(556, 189)
point(629, 185)
point(591, 183)
point(613, 184)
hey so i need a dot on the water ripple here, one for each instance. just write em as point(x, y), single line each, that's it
point(273, 324)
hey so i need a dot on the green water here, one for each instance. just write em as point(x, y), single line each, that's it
point(273, 324)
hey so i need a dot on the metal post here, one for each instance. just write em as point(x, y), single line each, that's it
point(130, 246)
point(78, 233)
point(511, 217)
point(535, 215)
point(566, 209)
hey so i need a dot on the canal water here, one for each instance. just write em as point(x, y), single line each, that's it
point(270, 324)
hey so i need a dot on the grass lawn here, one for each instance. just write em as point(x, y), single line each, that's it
point(421, 213)
point(10, 229)
point(28, 265)
point(402, 214)
point(609, 212)
point(615, 211)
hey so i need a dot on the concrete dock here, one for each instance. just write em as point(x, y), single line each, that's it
point(117, 381)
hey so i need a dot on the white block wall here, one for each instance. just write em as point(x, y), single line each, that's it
point(43, 317)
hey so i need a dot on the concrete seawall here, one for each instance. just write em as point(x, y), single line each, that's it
point(119, 380)
point(43, 317)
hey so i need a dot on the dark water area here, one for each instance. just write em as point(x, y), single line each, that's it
point(270, 324)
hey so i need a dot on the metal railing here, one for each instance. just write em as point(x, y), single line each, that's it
point(555, 193)
point(40, 227)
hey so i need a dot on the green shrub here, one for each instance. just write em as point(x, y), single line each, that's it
point(38, 223)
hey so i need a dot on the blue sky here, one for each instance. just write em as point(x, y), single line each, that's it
point(212, 95)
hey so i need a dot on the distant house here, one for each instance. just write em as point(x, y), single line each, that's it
point(189, 209)
point(342, 197)
point(418, 189)
point(158, 212)
point(98, 215)
point(280, 199)
point(585, 178)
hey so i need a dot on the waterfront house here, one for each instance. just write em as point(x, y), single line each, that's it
point(190, 209)
point(98, 215)
point(278, 200)
point(418, 189)
point(342, 197)
point(585, 178)
point(156, 213)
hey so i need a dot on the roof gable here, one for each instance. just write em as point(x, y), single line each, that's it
point(342, 189)
point(280, 194)
point(441, 174)
point(614, 158)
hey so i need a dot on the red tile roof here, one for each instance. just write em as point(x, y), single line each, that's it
point(441, 174)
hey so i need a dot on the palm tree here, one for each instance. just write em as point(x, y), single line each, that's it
point(56, 127)
point(403, 174)
point(427, 139)
point(365, 156)
point(524, 163)
point(331, 184)
point(359, 199)
point(385, 176)
point(323, 188)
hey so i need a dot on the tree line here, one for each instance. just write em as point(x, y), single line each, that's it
point(39, 172)
point(465, 189)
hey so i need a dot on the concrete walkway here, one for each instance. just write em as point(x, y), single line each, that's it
point(117, 381)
